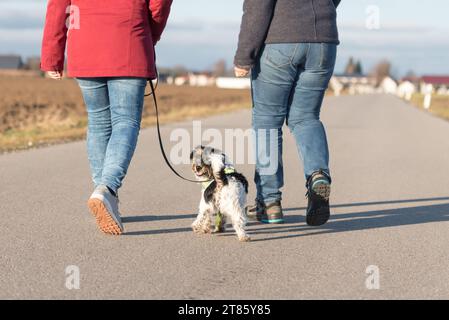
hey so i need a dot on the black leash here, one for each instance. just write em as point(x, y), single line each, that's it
point(161, 145)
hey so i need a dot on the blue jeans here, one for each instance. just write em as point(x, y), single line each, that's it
point(288, 85)
point(114, 107)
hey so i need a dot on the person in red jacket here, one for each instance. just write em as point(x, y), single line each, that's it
point(110, 51)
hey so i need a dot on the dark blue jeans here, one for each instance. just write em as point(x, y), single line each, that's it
point(288, 85)
point(114, 107)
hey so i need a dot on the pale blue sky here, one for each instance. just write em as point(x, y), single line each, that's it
point(413, 34)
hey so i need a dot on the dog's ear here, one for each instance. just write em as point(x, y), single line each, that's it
point(191, 155)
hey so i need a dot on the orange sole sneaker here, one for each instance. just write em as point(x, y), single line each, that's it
point(105, 222)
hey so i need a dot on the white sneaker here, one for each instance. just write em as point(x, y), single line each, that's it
point(104, 207)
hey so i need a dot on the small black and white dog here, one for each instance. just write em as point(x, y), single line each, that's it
point(224, 192)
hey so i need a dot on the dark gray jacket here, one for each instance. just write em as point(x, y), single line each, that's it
point(284, 21)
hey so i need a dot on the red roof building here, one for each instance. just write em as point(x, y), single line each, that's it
point(436, 80)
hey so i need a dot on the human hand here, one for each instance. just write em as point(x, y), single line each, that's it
point(56, 75)
point(241, 72)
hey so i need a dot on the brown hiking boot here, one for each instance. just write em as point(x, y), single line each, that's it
point(255, 211)
point(272, 214)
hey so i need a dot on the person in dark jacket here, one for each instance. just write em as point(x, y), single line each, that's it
point(110, 50)
point(290, 47)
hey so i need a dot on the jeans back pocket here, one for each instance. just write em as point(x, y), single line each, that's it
point(280, 55)
point(328, 55)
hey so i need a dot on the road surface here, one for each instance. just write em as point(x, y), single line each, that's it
point(390, 164)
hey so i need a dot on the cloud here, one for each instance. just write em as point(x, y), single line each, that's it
point(26, 42)
point(198, 44)
point(21, 26)
point(217, 33)
point(421, 48)
point(21, 20)
point(403, 36)
point(18, 14)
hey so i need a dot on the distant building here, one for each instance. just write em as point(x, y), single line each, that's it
point(406, 89)
point(438, 84)
point(233, 83)
point(194, 79)
point(388, 85)
point(354, 84)
point(11, 62)
point(179, 81)
point(336, 86)
point(163, 77)
point(443, 91)
point(362, 84)
point(201, 79)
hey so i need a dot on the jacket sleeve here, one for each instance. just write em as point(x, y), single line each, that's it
point(257, 15)
point(159, 12)
point(55, 35)
point(336, 2)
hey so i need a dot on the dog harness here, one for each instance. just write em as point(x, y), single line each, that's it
point(219, 217)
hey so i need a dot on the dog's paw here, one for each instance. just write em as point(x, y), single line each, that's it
point(244, 238)
point(196, 228)
point(206, 230)
point(201, 229)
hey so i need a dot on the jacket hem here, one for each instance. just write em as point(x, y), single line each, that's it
point(111, 73)
point(305, 40)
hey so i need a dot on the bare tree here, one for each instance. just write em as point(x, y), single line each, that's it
point(381, 70)
point(350, 66)
point(353, 67)
point(359, 68)
point(219, 69)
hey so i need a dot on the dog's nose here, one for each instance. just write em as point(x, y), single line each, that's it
point(198, 168)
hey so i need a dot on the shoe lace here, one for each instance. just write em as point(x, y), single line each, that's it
point(312, 178)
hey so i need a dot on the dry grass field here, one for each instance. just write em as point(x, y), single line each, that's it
point(439, 106)
point(37, 111)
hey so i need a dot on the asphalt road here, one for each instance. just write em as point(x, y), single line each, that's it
point(390, 164)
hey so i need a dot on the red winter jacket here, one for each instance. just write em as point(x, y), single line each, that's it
point(105, 38)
